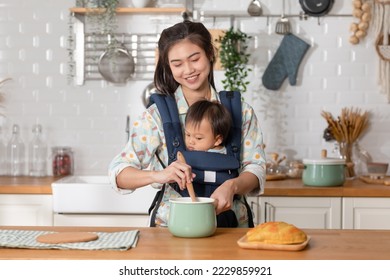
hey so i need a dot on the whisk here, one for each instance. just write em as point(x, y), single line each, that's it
point(283, 26)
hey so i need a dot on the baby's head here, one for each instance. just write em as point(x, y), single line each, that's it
point(207, 125)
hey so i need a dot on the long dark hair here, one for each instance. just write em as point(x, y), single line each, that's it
point(196, 33)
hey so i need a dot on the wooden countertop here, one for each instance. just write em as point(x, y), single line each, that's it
point(351, 188)
point(288, 187)
point(158, 243)
point(26, 185)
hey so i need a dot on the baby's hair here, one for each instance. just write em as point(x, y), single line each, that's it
point(214, 112)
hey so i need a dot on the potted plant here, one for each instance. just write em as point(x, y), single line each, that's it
point(234, 59)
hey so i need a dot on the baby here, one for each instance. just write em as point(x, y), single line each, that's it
point(207, 126)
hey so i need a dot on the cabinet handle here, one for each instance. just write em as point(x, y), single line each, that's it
point(255, 213)
point(269, 210)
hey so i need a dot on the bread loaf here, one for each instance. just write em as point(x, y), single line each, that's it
point(276, 233)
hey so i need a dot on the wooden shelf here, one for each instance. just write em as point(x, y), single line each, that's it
point(78, 10)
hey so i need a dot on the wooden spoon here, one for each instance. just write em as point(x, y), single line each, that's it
point(190, 187)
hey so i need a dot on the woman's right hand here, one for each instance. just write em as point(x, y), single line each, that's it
point(178, 172)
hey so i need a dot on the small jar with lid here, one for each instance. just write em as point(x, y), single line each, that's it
point(62, 161)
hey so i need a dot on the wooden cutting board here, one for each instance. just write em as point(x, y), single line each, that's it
point(273, 177)
point(67, 237)
point(368, 180)
point(244, 243)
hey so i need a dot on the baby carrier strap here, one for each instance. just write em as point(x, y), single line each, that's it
point(171, 124)
point(232, 101)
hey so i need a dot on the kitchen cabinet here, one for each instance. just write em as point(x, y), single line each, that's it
point(26, 210)
point(104, 220)
point(303, 212)
point(366, 213)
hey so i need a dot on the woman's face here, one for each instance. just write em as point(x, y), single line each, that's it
point(189, 65)
point(201, 137)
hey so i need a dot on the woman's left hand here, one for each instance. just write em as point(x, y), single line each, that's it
point(223, 196)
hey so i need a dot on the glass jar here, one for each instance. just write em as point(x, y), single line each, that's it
point(62, 161)
point(37, 153)
point(16, 153)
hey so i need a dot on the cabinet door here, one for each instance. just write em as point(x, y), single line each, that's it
point(366, 213)
point(26, 210)
point(303, 212)
point(101, 220)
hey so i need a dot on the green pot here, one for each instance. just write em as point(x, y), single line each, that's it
point(192, 219)
point(325, 172)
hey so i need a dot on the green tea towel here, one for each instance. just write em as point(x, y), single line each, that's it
point(122, 240)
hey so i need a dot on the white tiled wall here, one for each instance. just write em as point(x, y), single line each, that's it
point(92, 118)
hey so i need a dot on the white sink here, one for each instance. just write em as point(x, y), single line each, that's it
point(94, 194)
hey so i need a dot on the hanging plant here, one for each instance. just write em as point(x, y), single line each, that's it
point(101, 16)
point(234, 59)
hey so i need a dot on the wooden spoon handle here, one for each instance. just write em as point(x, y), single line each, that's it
point(190, 187)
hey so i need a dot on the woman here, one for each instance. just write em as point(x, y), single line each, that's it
point(185, 71)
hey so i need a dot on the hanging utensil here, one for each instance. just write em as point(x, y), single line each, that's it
point(148, 91)
point(255, 9)
point(190, 187)
point(283, 26)
point(116, 64)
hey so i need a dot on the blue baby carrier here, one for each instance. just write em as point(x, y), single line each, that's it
point(211, 169)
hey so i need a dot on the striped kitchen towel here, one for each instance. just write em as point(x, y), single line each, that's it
point(122, 240)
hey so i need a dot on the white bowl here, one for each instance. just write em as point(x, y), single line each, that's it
point(140, 3)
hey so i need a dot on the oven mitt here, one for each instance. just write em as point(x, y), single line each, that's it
point(285, 62)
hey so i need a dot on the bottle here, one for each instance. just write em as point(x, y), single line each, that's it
point(62, 161)
point(3, 155)
point(16, 153)
point(37, 153)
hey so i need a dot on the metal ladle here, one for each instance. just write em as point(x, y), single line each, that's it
point(255, 9)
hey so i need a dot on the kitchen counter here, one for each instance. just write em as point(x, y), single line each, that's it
point(158, 243)
point(289, 187)
point(26, 185)
point(351, 188)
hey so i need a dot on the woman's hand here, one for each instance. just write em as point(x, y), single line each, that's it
point(178, 172)
point(223, 196)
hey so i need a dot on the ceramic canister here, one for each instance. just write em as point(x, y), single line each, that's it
point(192, 219)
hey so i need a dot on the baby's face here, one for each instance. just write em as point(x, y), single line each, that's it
point(201, 138)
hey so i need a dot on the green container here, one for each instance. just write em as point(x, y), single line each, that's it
point(192, 219)
point(325, 172)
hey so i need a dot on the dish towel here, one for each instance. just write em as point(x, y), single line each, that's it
point(121, 241)
point(285, 62)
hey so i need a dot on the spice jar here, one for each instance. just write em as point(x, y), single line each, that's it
point(62, 161)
